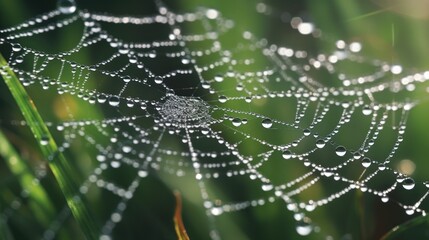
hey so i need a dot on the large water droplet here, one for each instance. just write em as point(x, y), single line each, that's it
point(67, 6)
point(267, 187)
point(223, 99)
point(44, 140)
point(367, 110)
point(426, 184)
point(320, 143)
point(218, 78)
point(127, 149)
point(286, 154)
point(216, 211)
point(16, 47)
point(114, 101)
point(366, 162)
point(408, 183)
point(340, 151)
point(236, 122)
point(304, 228)
point(307, 132)
point(142, 173)
point(158, 80)
point(267, 123)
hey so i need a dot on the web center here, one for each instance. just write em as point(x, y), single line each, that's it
point(185, 110)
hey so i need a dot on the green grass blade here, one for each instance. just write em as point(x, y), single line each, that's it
point(409, 229)
point(39, 201)
point(57, 162)
point(4, 230)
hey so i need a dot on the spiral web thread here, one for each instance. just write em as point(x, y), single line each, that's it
point(226, 101)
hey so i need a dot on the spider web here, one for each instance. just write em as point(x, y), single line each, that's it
point(186, 103)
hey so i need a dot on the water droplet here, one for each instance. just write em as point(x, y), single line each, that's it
point(126, 79)
point(158, 80)
point(385, 199)
point(305, 28)
point(205, 85)
point(320, 143)
point(410, 211)
point(236, 122)
point(307, 132)
point(222, 99)
point(357, 155)
point(67, 6)
point(218, 78)
point(355, 47)
point(216, 211)
point(304, 228)
point(101, 158)
point(367, 110)
point(366, 162)
point(426, 184)
point(267, 123)
point(16, 47)
point(44, 140)
point(340, 151)
point(127, 149)
point(114, 101)
point(286, 154)
point(267, 187)
point(408, 183)
point(19, 59)
point(133, 59)
point(142, 173)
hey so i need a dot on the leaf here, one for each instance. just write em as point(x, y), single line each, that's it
point(406, 228)
point(57, 162)
point(39, 201)
point(178, 222)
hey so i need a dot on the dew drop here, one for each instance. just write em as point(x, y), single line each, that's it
point(222, 99)
point(16, 47)
point(410, 211)
point(142, 173)
point(366, 162)
point(267, 187)
point(320, 143)
point(67, 6)
point(158, 80)
point(126, 79)
point(218, 78)
point(205, 85)
point(44, 140)
point(304, 228)
point(286, 154)
point(267, 123)
point(408, 183)
point(133, 59)
point(236, 122)
point(305, 28)
point(114, 101)
point(307, 132)
point(366, 110)
point(340, 151)
point(216, 211)
point(126, 149)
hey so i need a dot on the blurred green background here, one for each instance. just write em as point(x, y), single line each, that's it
point(392, 31)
